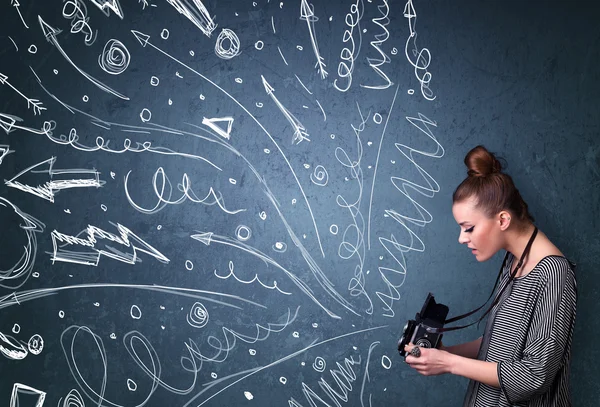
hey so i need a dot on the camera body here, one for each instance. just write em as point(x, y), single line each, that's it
point(432, 315)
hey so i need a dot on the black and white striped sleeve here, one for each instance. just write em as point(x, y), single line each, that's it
point(548, 336)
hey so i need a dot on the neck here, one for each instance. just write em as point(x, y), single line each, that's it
point(517, 240)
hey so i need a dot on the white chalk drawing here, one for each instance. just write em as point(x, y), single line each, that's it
point(34, 104)
point(51, 34)
point(59, 179)
point(213, 123)
point(227, 45)
point(22, 390)
point(351, 50)
point(10, 348)
point(196, 13)
point(16, 5)
point(106, 6)
point(4, 151)
point(375, 63)
point(76, 11)
point(72, 399)
point(63, 245)
point(300, 133)
point(418, 58)
point(115, 57)
point(307, 14)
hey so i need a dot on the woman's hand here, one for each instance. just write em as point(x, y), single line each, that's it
point(431, 362)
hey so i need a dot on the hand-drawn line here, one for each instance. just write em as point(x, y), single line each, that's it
point(322, 111)
point(72, 179)
point(144, 41)
point(4, 151)
point(226, 36)
point(366, 374)
point(73, 399)
point(343, 376)
point(255, 278)
point(353, 238)
point(273, 25)
point(198, 15)
point(50, 34)
point(377, 165)
point(68, 340)
point(92, 257)
point(212, 123)
point(374, 63)
point(35, 104)
point(11, 349)
point(22, 269)
point(79, 20)
point(404, 186)
point(349, 54)
point(18, 298)
point(115, 57)
point(282, 57)
point(300, 133)
point(319, 176)
point(107, 5)
point(8, 124)
point(307, 14)
point(209, 237)
point(14, 43)
point(423, 57)
point(194, 363)
point(305, 88)
point(162, 187)
point(249, 372)
point(198, 315)
point(27, 391)
point(144, 4)
point(16, 5)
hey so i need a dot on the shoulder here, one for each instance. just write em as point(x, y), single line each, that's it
point(556, 270)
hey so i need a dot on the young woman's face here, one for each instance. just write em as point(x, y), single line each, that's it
point(480, 233)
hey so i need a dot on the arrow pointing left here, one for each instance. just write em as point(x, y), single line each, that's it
point(67, 178)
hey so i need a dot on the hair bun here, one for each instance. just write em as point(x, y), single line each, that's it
point(482, 163)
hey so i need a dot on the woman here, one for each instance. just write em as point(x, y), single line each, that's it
point(523, 357)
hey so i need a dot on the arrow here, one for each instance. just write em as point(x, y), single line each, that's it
point(50, 33)
point(199, 16)
point(7, 123)
point(72, 180)
point(16, 5)
point(92, 257)
point(307, 14)
point(37, 105)
point(203, 237)
point(300, 133)
point(4, 151)
point(212, 123)
point(106, 5)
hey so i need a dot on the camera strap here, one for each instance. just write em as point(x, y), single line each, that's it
point(512, 276)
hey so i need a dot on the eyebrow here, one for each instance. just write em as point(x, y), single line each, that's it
point(464, 223)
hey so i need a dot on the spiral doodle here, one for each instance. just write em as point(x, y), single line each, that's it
point(319, 364)
point(233, 48)
point(115, 57)
point(198, 316)
point(319, 176)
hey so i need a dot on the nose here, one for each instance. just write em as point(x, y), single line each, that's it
point(463, 238)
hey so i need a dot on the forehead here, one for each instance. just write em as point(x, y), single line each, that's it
point(467, 211)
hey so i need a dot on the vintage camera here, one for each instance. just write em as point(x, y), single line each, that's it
point(432, 315)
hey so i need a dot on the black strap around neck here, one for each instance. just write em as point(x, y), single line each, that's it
point(512, 276)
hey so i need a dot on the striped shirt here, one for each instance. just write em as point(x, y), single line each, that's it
point(528, 333)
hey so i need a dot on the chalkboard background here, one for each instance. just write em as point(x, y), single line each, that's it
point(241, 203)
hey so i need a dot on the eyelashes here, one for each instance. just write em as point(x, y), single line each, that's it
point(470, 229)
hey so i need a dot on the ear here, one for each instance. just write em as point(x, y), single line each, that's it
point(504, 218)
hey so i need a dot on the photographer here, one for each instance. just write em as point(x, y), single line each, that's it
point(523, 357)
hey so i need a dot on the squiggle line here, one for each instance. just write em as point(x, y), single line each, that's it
point(379, 40)
point(232, 274)
point(423, 57)
point(161, 183)
point(404, 186)
point(366, 375)
point(347, 248)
